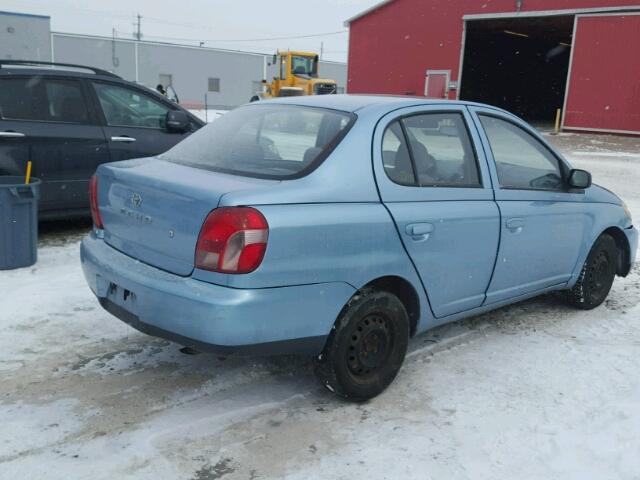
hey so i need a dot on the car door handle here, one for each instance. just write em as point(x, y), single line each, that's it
point(515, 224)
point(12, 134)
point(123, 138)
point(419, 232)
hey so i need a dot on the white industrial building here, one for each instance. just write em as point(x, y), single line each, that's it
point(220, 78)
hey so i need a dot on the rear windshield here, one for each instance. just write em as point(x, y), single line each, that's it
point(265, 141)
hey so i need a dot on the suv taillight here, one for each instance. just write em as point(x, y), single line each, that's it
point(232, 240)
point(93, 202)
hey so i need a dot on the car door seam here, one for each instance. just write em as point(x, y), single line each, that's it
point(488, 161)
point(395, 225)
point(484, 150)
point(495, 260)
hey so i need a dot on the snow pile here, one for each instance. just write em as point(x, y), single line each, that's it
point(532, 391)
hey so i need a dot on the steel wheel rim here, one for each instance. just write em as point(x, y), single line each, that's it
point(599, 274)
point(370, 345)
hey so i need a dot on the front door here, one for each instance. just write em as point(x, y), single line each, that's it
point(47, 120)
point(436, 187)
point(437, 84)
point(134, 122)
point(543, 223)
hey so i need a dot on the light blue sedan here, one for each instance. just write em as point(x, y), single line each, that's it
point(340, 226)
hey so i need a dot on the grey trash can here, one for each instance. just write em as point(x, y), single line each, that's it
point(18, 222)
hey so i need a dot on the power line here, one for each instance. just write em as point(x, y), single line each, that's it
point(177, 24)
point(265, 39)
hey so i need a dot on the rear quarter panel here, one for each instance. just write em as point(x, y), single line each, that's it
point(318, 243)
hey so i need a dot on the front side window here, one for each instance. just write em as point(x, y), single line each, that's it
point(305, 66)
point(522, 161)
point(125, 107)
point(434, 150)
point(42, 99)
point(266, 141)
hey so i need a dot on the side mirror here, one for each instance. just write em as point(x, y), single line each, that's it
point(579, 179)
point(177, 121)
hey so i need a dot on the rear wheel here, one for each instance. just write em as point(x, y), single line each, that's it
point(255, 98)
point(596, 277)
point(367, 346)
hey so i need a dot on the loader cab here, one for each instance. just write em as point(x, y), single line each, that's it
point(294, 65)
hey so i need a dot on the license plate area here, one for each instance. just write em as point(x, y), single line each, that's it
point(122, 296)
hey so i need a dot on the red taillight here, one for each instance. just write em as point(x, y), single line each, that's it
point(93, 202)
point(232, 240)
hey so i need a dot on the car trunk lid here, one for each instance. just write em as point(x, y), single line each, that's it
point(153, 210)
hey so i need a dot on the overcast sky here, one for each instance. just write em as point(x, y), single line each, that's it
point(215, 22)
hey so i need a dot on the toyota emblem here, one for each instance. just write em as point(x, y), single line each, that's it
point(136, 199)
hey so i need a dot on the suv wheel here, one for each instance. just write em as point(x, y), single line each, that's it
point(597, 275)
point(366, 347)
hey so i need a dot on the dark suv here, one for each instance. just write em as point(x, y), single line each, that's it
point(68, 119)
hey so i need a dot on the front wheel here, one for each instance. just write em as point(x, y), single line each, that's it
point(255, 98)
point(367, 346)
point(596, 277)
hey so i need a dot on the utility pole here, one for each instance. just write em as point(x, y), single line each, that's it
point(137, 34)
point(321, 50)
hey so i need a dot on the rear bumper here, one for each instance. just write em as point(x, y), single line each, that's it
point(210, 317)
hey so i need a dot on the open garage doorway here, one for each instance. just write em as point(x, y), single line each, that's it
point(519, 64)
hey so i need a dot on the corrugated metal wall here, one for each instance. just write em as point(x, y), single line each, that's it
point(190, 68)
point(117, 57)
point(24, 36)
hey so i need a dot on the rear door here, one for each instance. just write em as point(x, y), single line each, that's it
point(437, 188)
point(543, 223)
point(134, 121)
point(49, 121)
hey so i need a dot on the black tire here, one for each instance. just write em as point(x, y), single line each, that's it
point(596, 277)
point(255, 98)
point(366, 347)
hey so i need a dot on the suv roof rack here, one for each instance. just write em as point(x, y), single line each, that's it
point(97, 71)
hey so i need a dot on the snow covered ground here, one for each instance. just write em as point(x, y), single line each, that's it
point(208, 115)
point(533, 391)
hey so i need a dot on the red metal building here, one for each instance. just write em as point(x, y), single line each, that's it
point(528, 56)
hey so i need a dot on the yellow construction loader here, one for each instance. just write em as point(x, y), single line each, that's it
point(297, 75)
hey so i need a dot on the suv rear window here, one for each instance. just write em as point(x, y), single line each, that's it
point(264, 141)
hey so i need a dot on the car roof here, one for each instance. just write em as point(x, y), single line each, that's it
point(354, 102)
point(57, 71)
point(75, 71)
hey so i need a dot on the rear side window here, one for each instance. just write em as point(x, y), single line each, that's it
point(522, 161)
point(41, 99)
point(264, 141)
point(430, 150)
point(66, 102)
point(395, 156)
